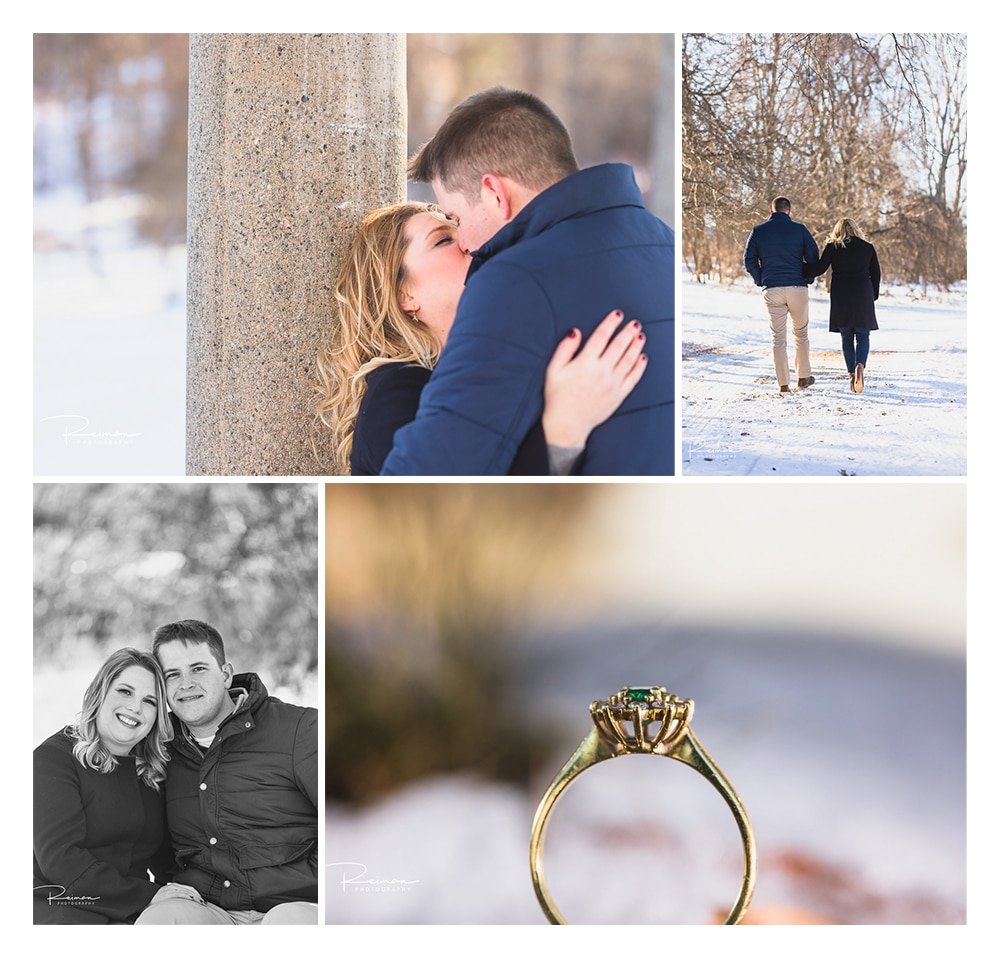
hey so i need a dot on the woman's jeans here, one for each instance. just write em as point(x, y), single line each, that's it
point(854, 354)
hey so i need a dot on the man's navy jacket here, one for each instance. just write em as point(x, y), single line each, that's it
point(776, 250)
point(578, 250)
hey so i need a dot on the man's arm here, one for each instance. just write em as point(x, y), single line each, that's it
point(811, 271)
point(751, 258)
point(486, 391)
point(810, 251)
point(304, 756)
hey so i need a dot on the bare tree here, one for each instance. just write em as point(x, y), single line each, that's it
point(868, 126)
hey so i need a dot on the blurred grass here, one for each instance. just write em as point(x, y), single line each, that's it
point(428, 589)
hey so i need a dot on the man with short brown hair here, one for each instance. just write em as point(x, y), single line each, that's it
point(553, 248)
point(775, 253)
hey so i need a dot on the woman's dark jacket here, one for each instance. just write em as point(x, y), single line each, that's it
point(853, 284)
point(95, 835)
point(242, 814)
point(391, 400)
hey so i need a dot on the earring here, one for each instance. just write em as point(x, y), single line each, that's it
point(414, 316)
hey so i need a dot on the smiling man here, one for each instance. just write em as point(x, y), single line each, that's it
point(241, 790)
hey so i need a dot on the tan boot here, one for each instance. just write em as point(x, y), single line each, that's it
point(859, 378)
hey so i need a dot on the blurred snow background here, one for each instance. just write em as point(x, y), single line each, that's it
point(110, 129)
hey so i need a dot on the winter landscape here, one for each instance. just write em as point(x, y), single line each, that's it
point(909, 421)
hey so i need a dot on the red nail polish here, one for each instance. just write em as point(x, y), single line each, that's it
point(641, 337)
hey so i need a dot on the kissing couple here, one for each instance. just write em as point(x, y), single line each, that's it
point(216, 799)
point(524, 325)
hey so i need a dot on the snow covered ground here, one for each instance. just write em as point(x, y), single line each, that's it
point(109, 341)
point(909, 421)
point(850, 757)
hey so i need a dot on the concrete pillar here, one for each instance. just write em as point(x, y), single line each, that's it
point(292, 139)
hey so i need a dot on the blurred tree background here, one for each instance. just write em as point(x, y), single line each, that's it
point(114, 561)
point(614, 92)
point(428, 591)
point(868, 126)
point(111, 109)
point(111, 118)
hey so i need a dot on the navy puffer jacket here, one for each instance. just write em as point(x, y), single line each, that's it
point(776, 250)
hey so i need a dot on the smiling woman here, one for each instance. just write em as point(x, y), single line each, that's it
point(128, 711)
point(99, 825)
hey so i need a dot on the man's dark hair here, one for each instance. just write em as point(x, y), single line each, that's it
point(781, 204)
point(191, 632)
point(505, 132)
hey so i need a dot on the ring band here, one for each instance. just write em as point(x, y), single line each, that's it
point(642, 721)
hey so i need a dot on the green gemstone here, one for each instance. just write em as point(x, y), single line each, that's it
point(639, 695)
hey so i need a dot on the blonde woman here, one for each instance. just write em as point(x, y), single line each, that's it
point(396, 300)
point(853, 291)
point(99, 822)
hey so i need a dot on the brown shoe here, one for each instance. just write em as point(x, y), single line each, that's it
point(859, 378)
point(808, 381)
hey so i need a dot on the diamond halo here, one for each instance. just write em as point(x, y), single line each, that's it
point(641, 718)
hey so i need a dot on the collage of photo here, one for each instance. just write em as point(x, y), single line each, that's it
point(422, 421)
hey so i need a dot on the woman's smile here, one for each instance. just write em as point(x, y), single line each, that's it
point(128, 711)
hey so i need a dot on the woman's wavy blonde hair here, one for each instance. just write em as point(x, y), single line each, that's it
point(151, 753)
point(844, 230)
point(370, 328)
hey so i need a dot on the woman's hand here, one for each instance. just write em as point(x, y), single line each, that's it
point(584, 388)
point(175, 890)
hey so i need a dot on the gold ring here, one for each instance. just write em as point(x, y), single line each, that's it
point(642, 721)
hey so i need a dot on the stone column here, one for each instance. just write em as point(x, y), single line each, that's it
point(292, 139)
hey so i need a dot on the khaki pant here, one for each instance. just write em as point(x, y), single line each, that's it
point(780, 301)
point(184, 911)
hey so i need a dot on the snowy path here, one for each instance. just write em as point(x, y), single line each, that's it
point(910, 420)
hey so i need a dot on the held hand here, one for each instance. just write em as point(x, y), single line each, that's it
point(584, 388)
point(174, 890)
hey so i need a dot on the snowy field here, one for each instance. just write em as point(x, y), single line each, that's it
point(108, 342)
point(909, 421)
point(855, 789)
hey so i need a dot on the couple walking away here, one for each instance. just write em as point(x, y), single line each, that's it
point(216, 798)
point(782, 256)
point(524, 325)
